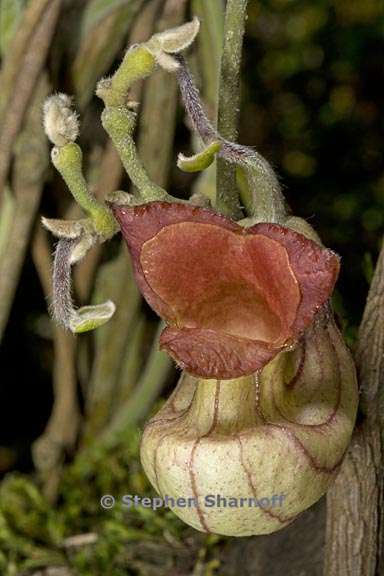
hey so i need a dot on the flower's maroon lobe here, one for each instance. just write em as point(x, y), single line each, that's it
point(232, 297)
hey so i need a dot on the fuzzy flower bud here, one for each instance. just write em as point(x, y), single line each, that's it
point(173, 41)
point(61, 123)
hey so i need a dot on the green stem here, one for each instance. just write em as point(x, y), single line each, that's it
point(138, 63)
point(210, 45)
point(119, 119)
point(68, 161)
point(119, 123)
point(227, 199)
point(260, 190)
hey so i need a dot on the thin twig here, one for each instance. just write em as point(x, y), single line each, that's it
point(110, 176)
point(31, 160)
point(227, 199)
point(34, 57)
point(60, 433)
point(16, 51)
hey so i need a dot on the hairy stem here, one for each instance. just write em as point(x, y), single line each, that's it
point(63, 309)
point(110, 175)
point(261, 191)
point(68, 161)
point(119, 123)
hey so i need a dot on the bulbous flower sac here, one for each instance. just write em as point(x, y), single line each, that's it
point(269, 445)
point(232, 297)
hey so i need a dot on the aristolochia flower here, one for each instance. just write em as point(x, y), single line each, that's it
point(283, 431)
point(232, 297)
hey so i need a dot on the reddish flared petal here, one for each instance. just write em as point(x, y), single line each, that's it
point(209, 354)
point(316, 269)
point(141, 223)
point(217, 279)
point(232, 295)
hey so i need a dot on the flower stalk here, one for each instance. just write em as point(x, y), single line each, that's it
point(62, 127)
point(119, 116)
point(75, 237)
point(68, 162)
point(119, 122)
point(260, 190)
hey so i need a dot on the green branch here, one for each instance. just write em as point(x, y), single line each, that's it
point(227, 199)
point(119, 123)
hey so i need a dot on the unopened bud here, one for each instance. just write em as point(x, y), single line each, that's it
point(61, 123)
point(173, 41)
point(176, 40)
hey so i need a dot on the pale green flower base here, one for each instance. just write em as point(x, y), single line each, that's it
point(248, 439)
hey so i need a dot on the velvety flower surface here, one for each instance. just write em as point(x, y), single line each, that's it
point(232, 297)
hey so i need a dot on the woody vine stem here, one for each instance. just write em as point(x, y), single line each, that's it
point(227, 198)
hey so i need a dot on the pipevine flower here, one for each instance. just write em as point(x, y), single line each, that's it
point(267, 401)
point(281, 431)
point(233, 297)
